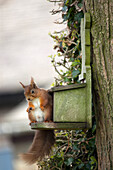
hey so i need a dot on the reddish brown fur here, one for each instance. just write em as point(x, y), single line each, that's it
point(43, 140)
point(44, 97)
point(41, 146)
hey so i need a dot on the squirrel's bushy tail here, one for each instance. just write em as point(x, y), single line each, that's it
point(41, 146)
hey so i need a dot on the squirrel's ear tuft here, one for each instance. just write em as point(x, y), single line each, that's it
point(22, 85)
point(33, 85)
point(32, 80)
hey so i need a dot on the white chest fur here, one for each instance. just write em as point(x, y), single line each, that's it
point(36, 102)
point(39, 114)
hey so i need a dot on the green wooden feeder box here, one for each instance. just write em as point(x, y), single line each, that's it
point(72, 104)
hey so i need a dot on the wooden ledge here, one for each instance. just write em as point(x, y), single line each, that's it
point(58, 126)
point(68, 87)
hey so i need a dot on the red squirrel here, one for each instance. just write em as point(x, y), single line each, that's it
point(39, 109)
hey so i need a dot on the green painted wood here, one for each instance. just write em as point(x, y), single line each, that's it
point(87, 21)
point(87, 54)
point(70, 105)
point(58, 126)
point(74, 105)
point(85, 44)
point(67, 87)
point(87, 24)
point(82, 32)
point(88, 97)
point(87, 36)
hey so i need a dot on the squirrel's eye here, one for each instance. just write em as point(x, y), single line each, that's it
point(32, 91)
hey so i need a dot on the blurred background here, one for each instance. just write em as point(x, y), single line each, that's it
point(24, 49)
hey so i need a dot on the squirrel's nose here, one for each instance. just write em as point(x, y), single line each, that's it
point(28, 99)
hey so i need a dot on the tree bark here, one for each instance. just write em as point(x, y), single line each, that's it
point(101, 12)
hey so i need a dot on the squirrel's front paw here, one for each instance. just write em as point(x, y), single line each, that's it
point(30, 109)
point(32, 122)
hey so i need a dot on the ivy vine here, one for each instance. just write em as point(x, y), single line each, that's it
point(74, 149)
point(67, 61)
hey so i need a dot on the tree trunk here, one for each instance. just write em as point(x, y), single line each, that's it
point(102, 69)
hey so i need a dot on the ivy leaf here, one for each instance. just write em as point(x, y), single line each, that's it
point(78, 17)
point(80, 5)
point(81, 165)
point(88, 166)
point(93, 160)
point(69, 161)
point(66, 79)
point(75, 63)
point(75, 73)
point(94, 128)
point(64, 8)
point(64, 16)
point(71, 59)
point(75, 147)
point(67, 2)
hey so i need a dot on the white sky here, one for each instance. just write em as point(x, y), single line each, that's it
point(25, 43)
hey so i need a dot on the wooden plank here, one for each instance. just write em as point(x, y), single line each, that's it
point(87, 24)
point(83, 68)
point(70, 105)
point(87, 21)
point(58, 126)
point(85, 43)
point(87, 36)
point(68, 87)
point(87, 53)
point(89, 97)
